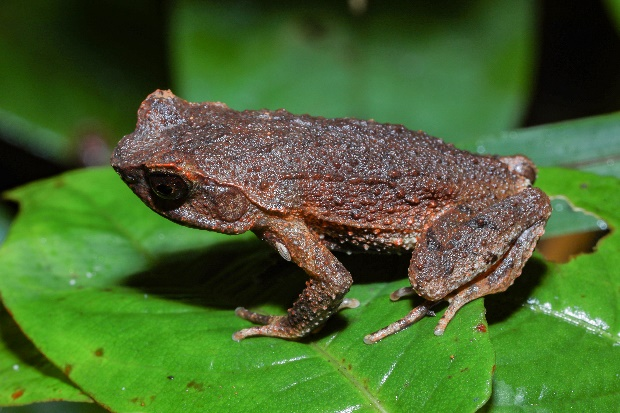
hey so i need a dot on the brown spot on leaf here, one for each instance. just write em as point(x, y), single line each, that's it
point(17, 394)
point(366, 383)
point(481, 328)
point(138, 400)
point(195, 385)
point(99, 352)
point(68, 369)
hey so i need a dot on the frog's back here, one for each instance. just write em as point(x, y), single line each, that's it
point(339, 175)
point(347, 172)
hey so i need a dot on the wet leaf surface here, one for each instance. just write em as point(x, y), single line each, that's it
point(138, 312)
point(558, 341)
point(27, 377)
point(130, 306)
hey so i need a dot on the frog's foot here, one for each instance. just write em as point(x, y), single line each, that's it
point(273, 326)
point(278, 326)
point(416, 314)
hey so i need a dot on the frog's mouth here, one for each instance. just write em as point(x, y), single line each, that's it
point(128, 175)
point(132, 176)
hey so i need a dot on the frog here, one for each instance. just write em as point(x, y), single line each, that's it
point(310, 186)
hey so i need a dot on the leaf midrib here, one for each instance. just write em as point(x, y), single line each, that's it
point(333, 361)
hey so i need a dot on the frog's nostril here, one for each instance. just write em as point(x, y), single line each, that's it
point(527, 170)
point(130, 179)
point(128, 175)
point(521, 165)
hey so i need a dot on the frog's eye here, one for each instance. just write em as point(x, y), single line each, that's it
point(168, 186)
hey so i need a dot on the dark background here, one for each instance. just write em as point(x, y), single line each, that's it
point(577, 69)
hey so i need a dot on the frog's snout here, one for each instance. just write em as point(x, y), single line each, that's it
point(116, 158)
point(128, 174)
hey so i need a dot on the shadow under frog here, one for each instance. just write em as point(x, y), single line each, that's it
point(250, 272)
point(213, 277)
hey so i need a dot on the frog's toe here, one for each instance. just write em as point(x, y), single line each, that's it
point(277, 328)
point(402, 292)
point(246, 332)
point(256, 318)
point(349, 303)
point(416, 314)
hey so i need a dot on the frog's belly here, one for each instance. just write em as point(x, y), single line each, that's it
point(371, 240)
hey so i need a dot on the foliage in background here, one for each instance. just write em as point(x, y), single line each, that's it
point(415, 64)
point(72, 71)
point(86, 269)
point(614, 7)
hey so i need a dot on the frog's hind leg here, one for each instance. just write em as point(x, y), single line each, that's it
point(468, 253)
point(498, 280)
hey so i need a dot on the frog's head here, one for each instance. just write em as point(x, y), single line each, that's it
point(166, 123)
point(157, 161)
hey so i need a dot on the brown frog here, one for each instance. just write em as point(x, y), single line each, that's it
point(307, 185)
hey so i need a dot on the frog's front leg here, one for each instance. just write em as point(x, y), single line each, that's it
point(466, 254)
point(324, 292)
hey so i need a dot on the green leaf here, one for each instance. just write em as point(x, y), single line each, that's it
point(455, 72)
point(56, 407)
point(5, 218)
point(27, 377)
point(614, 7)
point(557, 335)
point(566, 219)
point(138, 312)
point(589, 144)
